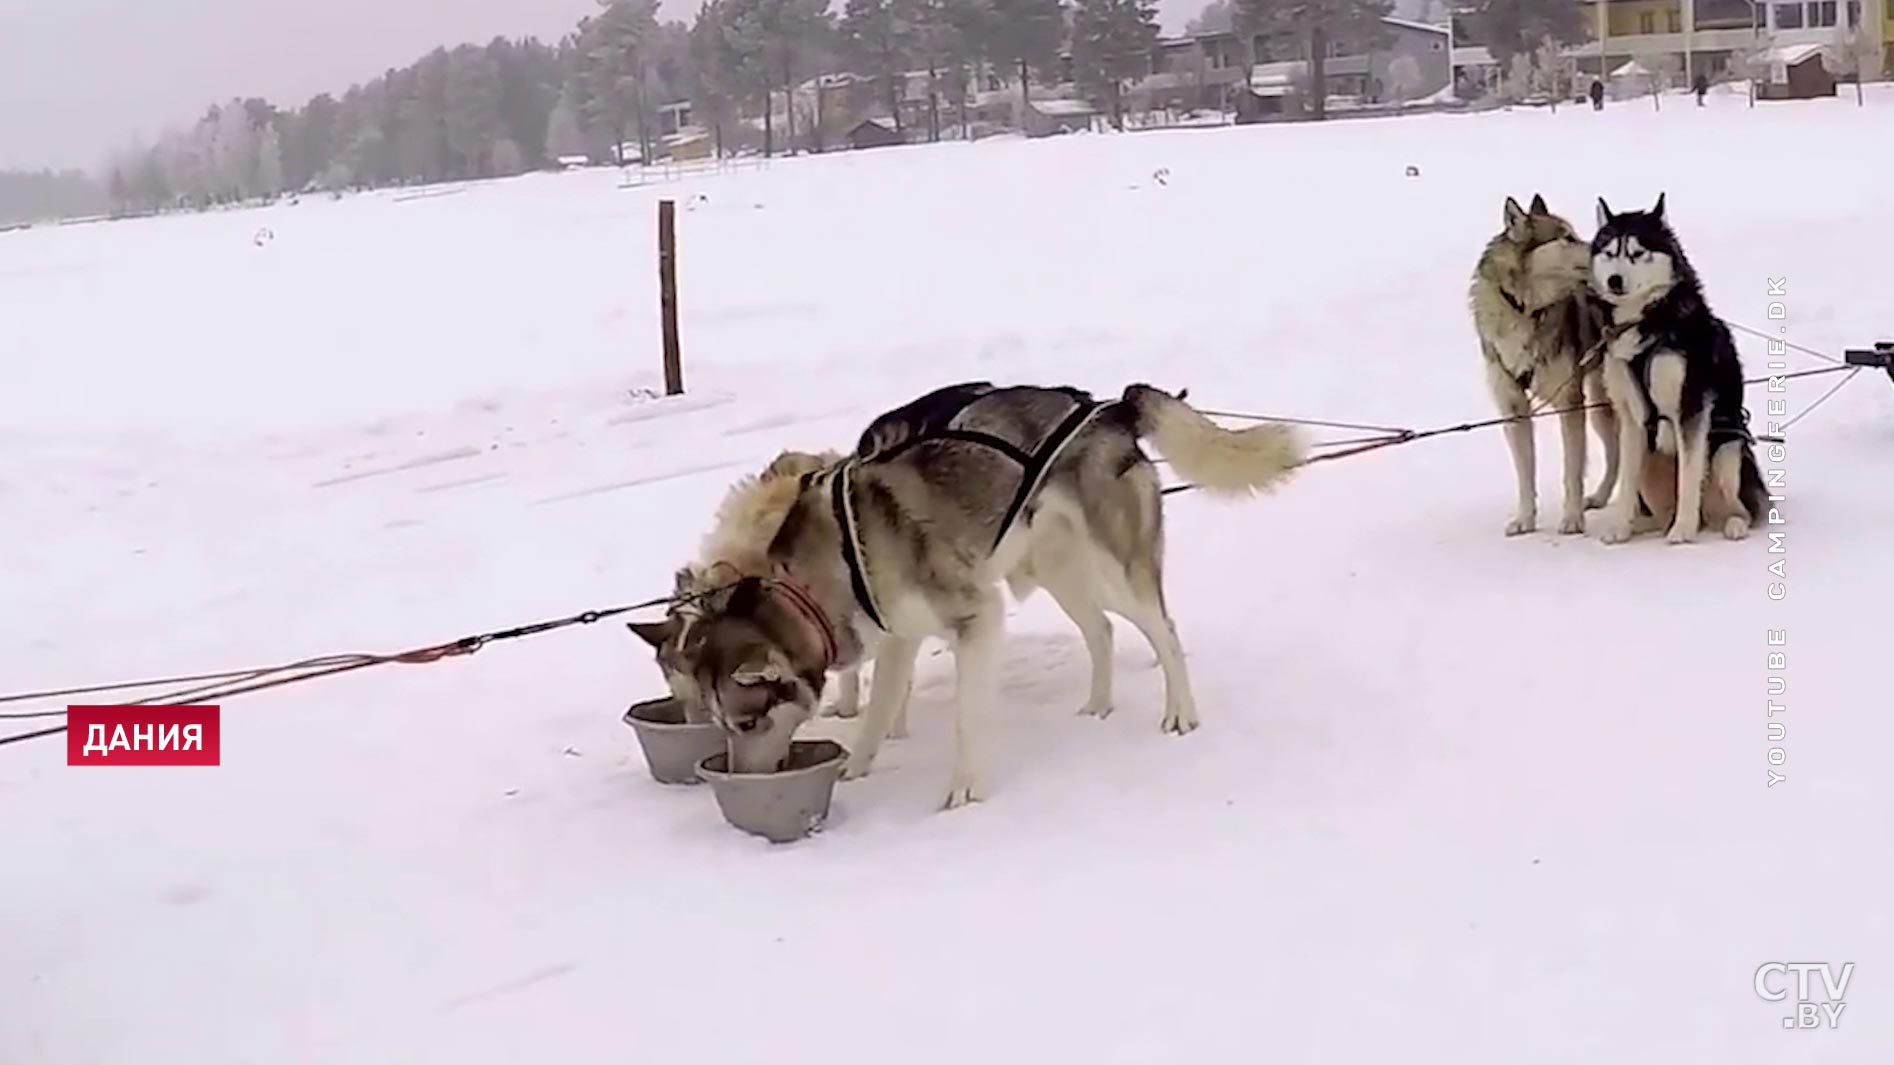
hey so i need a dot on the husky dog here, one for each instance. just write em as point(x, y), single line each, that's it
point(911, 536)
point(754, 499)
point(1676, 381)
point(1537, 321)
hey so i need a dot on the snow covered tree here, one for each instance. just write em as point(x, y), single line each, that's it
point(1519, 80)
point(563, 136)
point(233, 151)
point(1859, 56)
point(1112, 41)
point(269, 164)
point(1218, 16)
point(1661, 70)
point(1404, 78)
point(1557, 73)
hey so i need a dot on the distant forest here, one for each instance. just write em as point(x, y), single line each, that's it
point(515, 105)
point(26, 197)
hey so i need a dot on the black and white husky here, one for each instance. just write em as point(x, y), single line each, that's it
point(1676, 382)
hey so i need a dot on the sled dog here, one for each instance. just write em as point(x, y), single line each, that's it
point(911, 536)
point(1537, 321)
point(1676, 382)
point(748, 502)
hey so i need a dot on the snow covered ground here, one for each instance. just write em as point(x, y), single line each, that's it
point(1458, 798)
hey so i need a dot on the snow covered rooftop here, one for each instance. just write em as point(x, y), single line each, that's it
point(1064, 107)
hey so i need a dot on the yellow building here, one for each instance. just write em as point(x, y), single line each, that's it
point(1701, 36)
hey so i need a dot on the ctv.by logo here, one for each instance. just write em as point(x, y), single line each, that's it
point(1773, 981)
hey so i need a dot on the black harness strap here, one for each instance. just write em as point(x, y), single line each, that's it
point(851, 549)
point(1033, 468)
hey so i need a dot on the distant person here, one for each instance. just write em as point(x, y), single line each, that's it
point(1700, 86)
point(1597, 95)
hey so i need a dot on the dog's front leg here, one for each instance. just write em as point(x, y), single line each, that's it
point(1604, 422)
point(847, 694)
point(1693, 464)
point(976, 687)
point(1572, 424)
point(1515, 403)
point(894, 667)
point(1615, 525)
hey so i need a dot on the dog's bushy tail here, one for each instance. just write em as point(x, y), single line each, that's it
point(1235, 462)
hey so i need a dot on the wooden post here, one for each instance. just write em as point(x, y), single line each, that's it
point(667, 295)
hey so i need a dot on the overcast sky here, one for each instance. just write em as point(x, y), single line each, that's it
point(81, 77)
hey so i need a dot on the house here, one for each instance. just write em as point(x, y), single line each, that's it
point(1043, 118)
point(1797, 72)
point(1409, 59)
point(1710, 37)
point(873, 133)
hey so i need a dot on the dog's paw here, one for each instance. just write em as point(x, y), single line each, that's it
point(1736, 529)
point(857, 768)
point(1680, 535)
point(1100, 711)
point(1522, 524)
point(1597, 500)
point(1613, 528)
point(966, 788)
point(845, 711)
point(1180, 722)
point(1572, 524)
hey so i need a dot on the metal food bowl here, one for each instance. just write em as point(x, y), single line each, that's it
point(781, 807)
point(673, 746)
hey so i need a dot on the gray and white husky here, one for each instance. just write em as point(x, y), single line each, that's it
point(912, 535)
point(1537, 320)
point(1676, 380)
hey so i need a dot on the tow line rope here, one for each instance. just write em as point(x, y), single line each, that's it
point(242, 681)
point(226, 683)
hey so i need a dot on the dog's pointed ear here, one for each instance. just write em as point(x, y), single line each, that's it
point(745, 595)
point(1604, 213)
point(1538, 205)
point(655, 633)
point(1657, 212)
point(1515, 217)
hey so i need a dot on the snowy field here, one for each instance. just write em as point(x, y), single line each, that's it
point(1458, 798)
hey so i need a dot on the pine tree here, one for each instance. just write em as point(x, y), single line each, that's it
point(718, 85)
point(879, 41)
point(1510, 27)
point(1026, 39)
point(1112, 41)
point(471, 120)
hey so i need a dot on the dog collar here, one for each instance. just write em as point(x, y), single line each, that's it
point(798, 599)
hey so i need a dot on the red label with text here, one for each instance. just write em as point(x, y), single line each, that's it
point(141, 735)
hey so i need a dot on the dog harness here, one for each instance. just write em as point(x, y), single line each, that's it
point(932, 418)
point(1726, 424)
